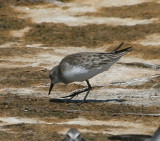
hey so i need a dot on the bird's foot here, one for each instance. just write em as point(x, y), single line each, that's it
point(76, 93)
point(72, 95)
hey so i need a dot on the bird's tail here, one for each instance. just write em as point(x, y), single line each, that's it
point(121, 52)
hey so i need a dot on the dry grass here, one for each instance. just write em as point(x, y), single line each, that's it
point(9, 21)
point(7, 3)
point(145, 10)
point(13, 105)
point(30, 3)
point(28, 132)
point(146, 52)
point(91, 35)
point(19, 51)
point(95, 35)
point(23, 77)
point(68, 88)
point(44, 132)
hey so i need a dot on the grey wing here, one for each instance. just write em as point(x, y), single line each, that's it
point(99, 60)
point(75, 59)
point(104, 59)
point(94, 60)
point(84, 59)
point(89, 60)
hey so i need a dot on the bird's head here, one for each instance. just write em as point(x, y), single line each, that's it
point(73, 135)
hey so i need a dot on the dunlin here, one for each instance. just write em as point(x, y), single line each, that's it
point(83, 66)
point(73, 135)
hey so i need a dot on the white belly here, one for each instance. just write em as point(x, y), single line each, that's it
point(77, 73)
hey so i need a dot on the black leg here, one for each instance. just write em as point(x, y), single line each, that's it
point(89, 88)
point(80, 91)
point(75, 93)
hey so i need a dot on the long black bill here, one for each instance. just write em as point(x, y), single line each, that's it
point(51, 86)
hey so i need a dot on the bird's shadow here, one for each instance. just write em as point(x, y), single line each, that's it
point(87, 101)
point(130, 137)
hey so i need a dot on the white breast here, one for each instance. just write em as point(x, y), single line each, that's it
point(75, 73)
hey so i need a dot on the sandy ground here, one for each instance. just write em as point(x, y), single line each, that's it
point(124, 100)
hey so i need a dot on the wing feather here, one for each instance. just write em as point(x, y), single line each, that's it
point(95, 60)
